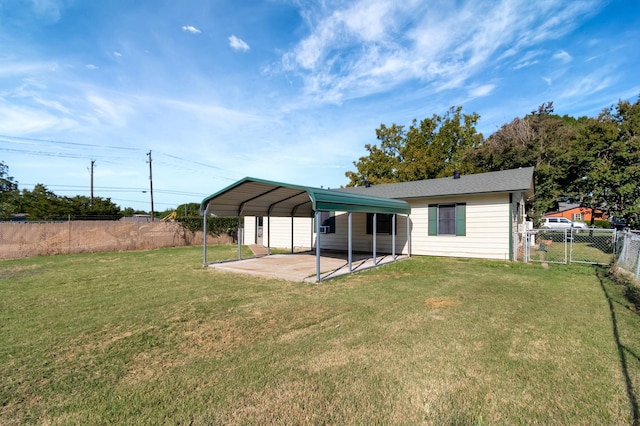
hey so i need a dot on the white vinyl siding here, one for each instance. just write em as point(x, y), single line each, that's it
point(249, 236)
point(487, 228)
point(305, 237)
point(361, 240)
point(280, 234)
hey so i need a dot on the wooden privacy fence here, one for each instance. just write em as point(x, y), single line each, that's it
point(25, 239)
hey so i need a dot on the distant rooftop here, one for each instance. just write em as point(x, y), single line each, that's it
point(481, 183)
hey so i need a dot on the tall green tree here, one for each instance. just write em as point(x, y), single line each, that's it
point(628, 117)
point(607, 162)
point(82, 207)
point(8, 193)
point(433, 147)
point(541, 139)
point(41, 204)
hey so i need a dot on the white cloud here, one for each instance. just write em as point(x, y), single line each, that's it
point(587, 86)
point(16, 120)
point(14, 68)
point(563, 56)
point(107, 110)
point(117, 54)
point(91, 67)
point(375, 45)
point(483, 90)
point(238, 44)
point(47, 10)
point(191, 29)
point(529, 59)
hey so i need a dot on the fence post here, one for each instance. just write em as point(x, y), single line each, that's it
point(638, 264)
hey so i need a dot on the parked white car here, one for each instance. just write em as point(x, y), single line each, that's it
point(561, 223)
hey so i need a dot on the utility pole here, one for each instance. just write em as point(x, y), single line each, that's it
point(93, 162)
point(151, 186)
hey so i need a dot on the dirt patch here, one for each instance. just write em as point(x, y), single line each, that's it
point(435, 303)
point(211, 338)
point(18, 271)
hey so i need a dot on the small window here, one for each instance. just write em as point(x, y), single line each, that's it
point(447, 219)
point(328, 220)
point(576, 216)
point(383, 223)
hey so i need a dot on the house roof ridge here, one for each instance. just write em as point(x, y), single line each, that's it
point(520, 179)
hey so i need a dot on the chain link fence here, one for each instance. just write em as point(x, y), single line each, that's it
point(25, 239)
point(593, 246)
point(628, 252)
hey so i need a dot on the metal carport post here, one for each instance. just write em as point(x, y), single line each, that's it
point(317, 217)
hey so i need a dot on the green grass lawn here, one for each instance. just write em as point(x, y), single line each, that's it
point(154, 338)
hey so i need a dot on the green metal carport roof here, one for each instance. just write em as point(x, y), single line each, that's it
point(259, 197)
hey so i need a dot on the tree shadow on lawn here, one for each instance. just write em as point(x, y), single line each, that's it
point(622, 351)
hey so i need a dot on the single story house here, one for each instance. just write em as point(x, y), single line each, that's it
point(474, 216)
point(574, 213)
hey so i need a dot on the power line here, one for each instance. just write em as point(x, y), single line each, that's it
point(44, 153)
point(62, 155)
point(189, 161)
point(116, 160)
point(120, 189)
point(20, 138)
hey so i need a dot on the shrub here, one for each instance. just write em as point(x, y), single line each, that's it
point(217, 225)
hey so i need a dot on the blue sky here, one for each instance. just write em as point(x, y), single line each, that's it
point(287, 90)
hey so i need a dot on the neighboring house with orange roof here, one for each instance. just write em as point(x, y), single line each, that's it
point(575, 213)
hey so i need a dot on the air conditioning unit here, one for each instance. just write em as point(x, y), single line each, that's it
point(324, 229)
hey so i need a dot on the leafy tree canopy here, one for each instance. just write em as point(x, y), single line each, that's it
point(591, 161)
point(433, 147)
point(8, 193)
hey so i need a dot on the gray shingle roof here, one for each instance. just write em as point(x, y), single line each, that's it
point(503, 181)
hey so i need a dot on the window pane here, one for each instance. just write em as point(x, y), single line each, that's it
point(383, 223)
point(447, 220)
point(328, 219)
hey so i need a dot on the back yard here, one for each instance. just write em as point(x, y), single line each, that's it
point(153, 338)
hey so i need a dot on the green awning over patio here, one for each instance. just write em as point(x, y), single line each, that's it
point(259, 197)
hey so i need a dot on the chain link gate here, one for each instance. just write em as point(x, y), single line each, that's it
point(543, 245)
point(594, 246)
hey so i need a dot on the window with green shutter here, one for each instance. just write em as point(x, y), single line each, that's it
point(447, 219)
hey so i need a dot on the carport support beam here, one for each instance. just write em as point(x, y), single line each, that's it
point(409, 235)
point(393, 237)
point(375, 232)
point(238, 236)
point(204, 239)
point(317, 246)
point(268, 235)
point(350, 244)
point(291, 234)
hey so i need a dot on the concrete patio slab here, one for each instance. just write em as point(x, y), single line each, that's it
point(302, 266)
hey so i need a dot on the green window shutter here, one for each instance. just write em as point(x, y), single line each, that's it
point(461, 219)
point(433, 219)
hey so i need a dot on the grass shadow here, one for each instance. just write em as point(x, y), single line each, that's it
point(622, 354)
